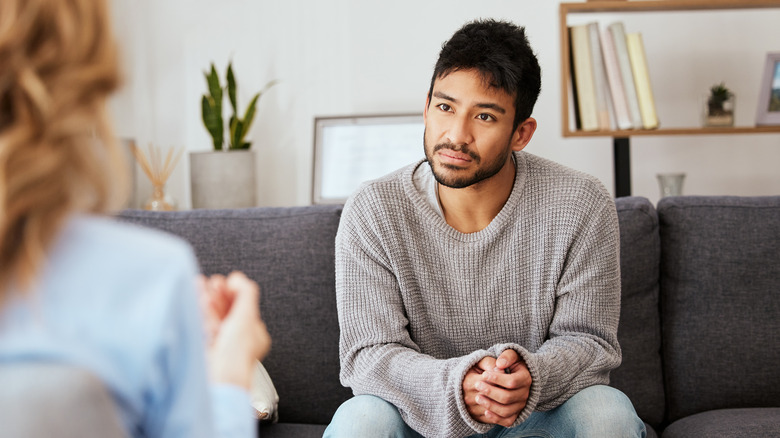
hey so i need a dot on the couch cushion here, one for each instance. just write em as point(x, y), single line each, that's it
point(289, 430)
point(650, 431)
point(639, 332)
point(720, 279)
point(727, 423)
point(290, 253)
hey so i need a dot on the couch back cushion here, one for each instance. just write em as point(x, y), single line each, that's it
point(290, 253)
point(639, 332)
point(720, 302)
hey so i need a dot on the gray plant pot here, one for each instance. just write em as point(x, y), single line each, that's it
point(223, 179)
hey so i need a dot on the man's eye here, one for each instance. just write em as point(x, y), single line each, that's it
point(485, 117)
point(444, 107)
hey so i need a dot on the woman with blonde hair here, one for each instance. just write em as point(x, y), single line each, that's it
point(79, 288)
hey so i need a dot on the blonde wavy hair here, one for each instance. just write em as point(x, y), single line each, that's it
point(58, 154)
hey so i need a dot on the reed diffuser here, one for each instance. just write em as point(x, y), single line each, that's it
point(158, 171)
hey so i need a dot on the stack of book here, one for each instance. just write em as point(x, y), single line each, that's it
point(610, 80)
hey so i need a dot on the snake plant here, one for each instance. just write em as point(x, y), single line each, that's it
point(211, 107)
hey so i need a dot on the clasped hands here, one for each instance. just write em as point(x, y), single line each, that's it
point(496, 389)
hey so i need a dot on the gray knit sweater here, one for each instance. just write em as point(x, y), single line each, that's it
point(420, 303)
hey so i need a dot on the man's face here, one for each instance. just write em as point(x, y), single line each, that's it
point(468, 129)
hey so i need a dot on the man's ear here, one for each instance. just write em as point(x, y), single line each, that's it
point(525, 130)
point(425, 110)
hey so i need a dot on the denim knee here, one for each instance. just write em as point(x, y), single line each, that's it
point(367, 416)
point(605, 411)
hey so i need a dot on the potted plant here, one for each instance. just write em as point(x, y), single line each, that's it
point(220, 179)
point(719, 110)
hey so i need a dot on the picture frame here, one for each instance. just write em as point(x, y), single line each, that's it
point(352, 149)
point(768, 112)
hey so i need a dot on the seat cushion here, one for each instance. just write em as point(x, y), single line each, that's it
point(650, 431)
point(727, 423)
point(720, 279)
point(287, 430)
point(639, 332)
point(290, 253)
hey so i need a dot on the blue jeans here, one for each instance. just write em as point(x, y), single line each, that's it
point(597, 411)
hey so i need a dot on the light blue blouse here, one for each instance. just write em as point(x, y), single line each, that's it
point(121, 301)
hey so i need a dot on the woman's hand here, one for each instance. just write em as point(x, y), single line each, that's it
point(237, 336)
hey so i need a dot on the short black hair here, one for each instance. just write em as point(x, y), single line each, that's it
point(501, 52)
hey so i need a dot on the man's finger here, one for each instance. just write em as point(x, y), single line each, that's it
point(500, 411)
point(506, 359)
point(494, 418)
point(487, 363)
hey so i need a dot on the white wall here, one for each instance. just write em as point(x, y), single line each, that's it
point(338, 57)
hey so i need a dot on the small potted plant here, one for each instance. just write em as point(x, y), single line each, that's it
point(220, 179)
point(719, 110)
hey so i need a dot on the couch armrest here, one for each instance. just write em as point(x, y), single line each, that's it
point(46, 399)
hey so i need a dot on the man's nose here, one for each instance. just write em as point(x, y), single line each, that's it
point(459, 132)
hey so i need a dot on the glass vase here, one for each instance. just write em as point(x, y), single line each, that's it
point(670, 183)
point(160, 201)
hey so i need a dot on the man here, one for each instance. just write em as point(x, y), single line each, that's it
point(479, 289)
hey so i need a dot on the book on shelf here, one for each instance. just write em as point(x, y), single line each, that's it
point(644, 91)
point(618, 32)
point(574, 105)
point(599, 77)
point(615, 80)
point(582, 80)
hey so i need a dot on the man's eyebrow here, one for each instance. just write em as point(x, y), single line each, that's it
point(493, 106)
point(441, 95)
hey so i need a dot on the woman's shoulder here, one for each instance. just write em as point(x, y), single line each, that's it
point(106, 245)
point(109, 234)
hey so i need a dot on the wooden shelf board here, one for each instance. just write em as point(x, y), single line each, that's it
point(675, 131)
point(665, 5)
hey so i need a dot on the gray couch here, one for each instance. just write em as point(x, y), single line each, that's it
point(43, 399)
point(700, 319)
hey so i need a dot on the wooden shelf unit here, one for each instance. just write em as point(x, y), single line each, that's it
point(621, 137)
point(677, 131)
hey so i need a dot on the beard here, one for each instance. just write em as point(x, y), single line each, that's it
point(448, 175)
